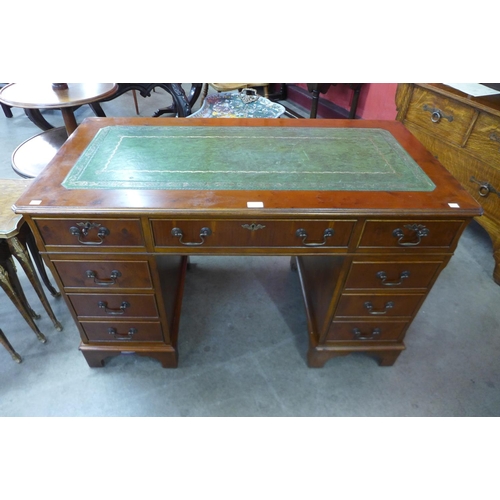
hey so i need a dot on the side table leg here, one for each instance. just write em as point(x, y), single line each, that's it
point(7, 286)
point(10, 349)
point(22, 255)
point(35, 254)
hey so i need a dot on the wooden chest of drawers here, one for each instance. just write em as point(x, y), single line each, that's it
point(366, 259)
point(464, 134)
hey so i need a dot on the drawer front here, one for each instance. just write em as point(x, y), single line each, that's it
point(91, 233)
point(484, 141)
point(104, 274)
point(133, 331)
point(392, 275)
point(445, 118)
point(404, 234)
point(378, 306)
point(366, 331)
point(114, 306)
point(251, 233)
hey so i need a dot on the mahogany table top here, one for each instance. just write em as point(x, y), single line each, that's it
point(48, 195)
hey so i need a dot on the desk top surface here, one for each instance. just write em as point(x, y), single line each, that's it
point(41, 95)
point(246, 158)
point(278, 165)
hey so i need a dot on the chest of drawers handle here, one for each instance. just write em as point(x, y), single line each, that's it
point(437, 114)
point(369, 306)
point(357, 334)
point(84, 229)
point(113, 312)
point(485, 188)
point(204, 232)
point(104, 282)
point(302, 233)
point(494, 137)
point(383, 278)
point(419, 232)
point(120, 336)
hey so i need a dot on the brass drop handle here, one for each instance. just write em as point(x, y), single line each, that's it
point(83, 230)
point(357, 334)
point(121, 336)
point(437, 114)
point(113, 312)
point(485, 188)
point(104, 282)
point(204, 232)
point(383, 277)
point(494, 137)
point(369, 306)
point(302, 233)
point(419, 231)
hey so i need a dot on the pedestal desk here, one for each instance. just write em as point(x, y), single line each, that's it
point(369, 217)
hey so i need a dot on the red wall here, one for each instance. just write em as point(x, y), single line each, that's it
point(376, 100)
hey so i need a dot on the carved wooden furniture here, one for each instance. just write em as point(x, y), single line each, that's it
point(181, 105)
point(463, 132)
point(370, 217)
point(31, 157)
point(15, 238)
point(322, 88)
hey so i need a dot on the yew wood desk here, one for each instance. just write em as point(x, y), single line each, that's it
point(369, 217)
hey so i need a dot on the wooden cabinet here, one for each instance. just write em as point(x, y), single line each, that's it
point(463, 133)
point(366, 259)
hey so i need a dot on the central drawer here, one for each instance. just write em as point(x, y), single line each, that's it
point(251, 233)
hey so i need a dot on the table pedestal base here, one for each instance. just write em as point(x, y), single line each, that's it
point(33, 155)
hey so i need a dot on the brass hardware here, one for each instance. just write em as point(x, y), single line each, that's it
point(113, 312)
point(104, 282)
point(419, 230)
point(253, 227)
point(327, 233)
point(204, 231)
point(84, 231)
point(383, 277)
point(126, 336)
point(369, 306)
point(357, 334)
point(485, 188)
point(494, 137)
point(437, 114)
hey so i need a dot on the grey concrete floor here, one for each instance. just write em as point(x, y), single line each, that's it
point(243, 340)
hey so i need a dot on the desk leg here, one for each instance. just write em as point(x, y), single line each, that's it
point(19, 251)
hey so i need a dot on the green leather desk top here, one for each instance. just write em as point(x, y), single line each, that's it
point(246, 158)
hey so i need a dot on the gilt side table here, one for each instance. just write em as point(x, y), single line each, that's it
point(15, 238)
